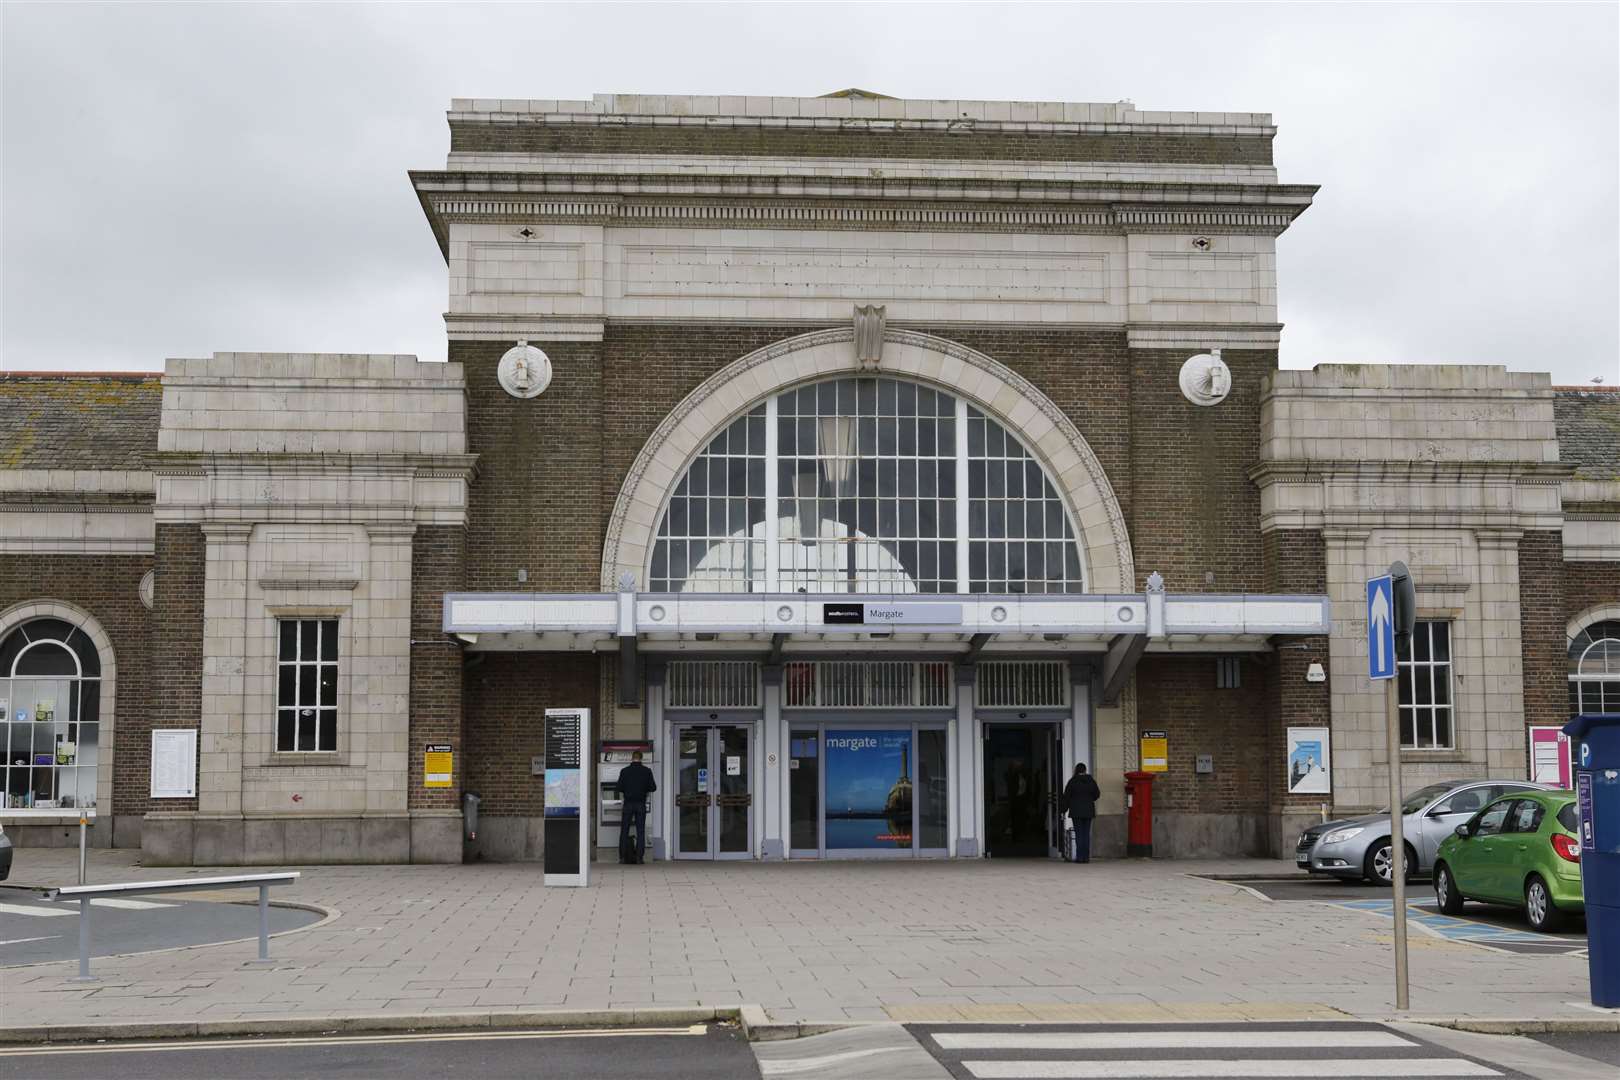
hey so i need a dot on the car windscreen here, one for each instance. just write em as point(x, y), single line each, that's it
point(1567, 818)
point(1422, 797)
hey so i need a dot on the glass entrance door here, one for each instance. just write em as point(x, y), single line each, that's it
point(714, 799)
point(1021, 791)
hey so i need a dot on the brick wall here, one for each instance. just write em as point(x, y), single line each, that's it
point(536, 502)
point(177, 658)
point(1543, 615)
point(506, 697)
point(1178, 695)
point(783, 142)
point(1195, 514)
point(1295, 561)
point(108, 587)
point(438, 556)
point(550, 468)
point(1587, 584)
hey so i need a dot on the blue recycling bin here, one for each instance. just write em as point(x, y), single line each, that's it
point(1595, 740)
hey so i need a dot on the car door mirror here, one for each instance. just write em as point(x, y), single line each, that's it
point(1464, 830)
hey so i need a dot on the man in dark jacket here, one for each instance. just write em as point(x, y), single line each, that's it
point(1080, 797)
point(635, 784)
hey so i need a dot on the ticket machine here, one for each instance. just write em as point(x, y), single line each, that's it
point(612, 756)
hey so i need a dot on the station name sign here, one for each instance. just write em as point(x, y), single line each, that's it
point(903, 613)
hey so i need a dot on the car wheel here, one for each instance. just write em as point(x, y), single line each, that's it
point(1378, 868)
point(1445, 891)
point(1538, 906)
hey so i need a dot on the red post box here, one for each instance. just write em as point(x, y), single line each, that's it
point(1139, 814)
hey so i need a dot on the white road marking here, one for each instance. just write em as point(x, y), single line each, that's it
point(791, 1066)
point(249, 1042)
point(1163, 1040)
point(23, 940)
point(1179, 1069)
point(41, 912)
point(129, 905)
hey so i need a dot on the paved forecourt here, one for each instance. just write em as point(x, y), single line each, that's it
point(1122, 942)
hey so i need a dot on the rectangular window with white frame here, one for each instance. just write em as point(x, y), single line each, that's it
point(1426, 698)
point(306, 685)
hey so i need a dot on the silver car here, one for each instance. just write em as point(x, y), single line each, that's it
point(1360, 848)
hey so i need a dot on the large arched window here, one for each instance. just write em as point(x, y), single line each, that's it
point(1594, 669)
point(860, 484)
point(50, 685)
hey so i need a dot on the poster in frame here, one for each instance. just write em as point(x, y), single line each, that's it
point(1310, 766)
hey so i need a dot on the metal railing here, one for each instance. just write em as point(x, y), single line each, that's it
point(86, 893)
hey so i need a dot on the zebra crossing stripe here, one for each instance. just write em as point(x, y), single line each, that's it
point(1165, 1040)
point(1204, 1069)
point(38, 912)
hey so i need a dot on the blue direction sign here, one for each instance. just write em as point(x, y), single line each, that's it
point(1381, 627)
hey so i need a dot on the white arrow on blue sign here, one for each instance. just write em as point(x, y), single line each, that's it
point(1381, 627)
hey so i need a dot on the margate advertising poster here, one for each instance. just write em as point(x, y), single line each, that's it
point(868, 789)
point(1309, 771)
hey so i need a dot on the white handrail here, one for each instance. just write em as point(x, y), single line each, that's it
point(173, 885)
point(86, 893)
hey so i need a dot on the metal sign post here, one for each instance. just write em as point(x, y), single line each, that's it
point(1391, 616)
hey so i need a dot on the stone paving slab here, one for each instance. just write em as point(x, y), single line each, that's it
point(981, 940)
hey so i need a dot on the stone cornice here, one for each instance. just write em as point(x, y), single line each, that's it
point(1267, 473)
point(47, 503)
point(1128, 123)
point(856, 202)
point(463, 466)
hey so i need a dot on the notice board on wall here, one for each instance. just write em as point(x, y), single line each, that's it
point(174, 763)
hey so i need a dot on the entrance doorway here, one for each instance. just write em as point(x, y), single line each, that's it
point(1022, 763)
point(714, 801)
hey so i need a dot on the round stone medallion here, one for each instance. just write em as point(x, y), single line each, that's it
point(1205, 378)
point(524, 371)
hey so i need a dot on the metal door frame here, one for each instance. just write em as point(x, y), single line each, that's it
point(713, 852)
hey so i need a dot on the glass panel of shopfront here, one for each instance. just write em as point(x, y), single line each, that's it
point(734, 799)
point(804, 792)
point(692, 791)
point(867, 791)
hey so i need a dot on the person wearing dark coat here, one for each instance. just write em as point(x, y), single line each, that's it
point(1080, 798)
point(635, 784)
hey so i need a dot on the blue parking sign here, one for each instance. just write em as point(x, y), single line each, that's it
point(1381, 627)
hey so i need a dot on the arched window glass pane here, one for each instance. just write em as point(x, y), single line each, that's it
point(712, 538)
point(50, 731)
point(865, 499)
point(46, 658)
point(859, 474)
point(1022, 540)
point(1594, 669)
point(1596, 650)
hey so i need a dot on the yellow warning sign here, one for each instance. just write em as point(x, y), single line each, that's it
point(1155, 752)
point(436, 766)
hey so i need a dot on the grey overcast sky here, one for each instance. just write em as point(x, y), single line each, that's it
point(181, 179)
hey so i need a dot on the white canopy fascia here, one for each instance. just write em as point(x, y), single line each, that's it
point(944, 622)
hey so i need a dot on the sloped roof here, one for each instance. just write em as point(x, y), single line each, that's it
point(1588, 423)
point(79, 420)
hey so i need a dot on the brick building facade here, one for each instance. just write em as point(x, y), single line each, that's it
point(1092, 503)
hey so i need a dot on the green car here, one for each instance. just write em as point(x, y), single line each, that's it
point(1520, 850)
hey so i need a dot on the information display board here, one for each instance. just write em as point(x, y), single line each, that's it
point(567, 828)
point(174, 763)
point(1552, 759)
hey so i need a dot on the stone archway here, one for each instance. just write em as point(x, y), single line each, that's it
point(992, 386)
